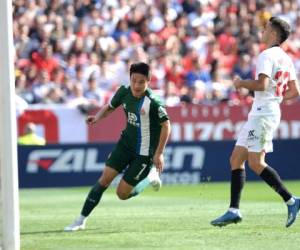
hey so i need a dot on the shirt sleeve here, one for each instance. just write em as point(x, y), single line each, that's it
point(264, 66)
point(116, 100)
point(160, 112)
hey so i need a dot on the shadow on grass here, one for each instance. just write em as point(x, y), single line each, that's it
point(62, 231)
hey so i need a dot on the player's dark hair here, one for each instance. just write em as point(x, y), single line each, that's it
point(282, 28)
point(141, 68)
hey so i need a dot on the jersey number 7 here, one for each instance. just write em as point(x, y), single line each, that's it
point(282, 78)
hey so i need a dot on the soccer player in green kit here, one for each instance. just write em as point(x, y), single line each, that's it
point(141, 144)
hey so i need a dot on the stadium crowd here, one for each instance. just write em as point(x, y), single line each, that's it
point(78, 51)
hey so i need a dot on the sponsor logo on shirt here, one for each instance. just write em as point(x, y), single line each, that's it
point(132, 119)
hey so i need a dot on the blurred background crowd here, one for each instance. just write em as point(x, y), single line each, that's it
point(78, 52)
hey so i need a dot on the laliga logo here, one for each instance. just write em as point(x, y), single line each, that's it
point(64, 161)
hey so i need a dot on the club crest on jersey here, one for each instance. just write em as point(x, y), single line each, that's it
point(142, 112)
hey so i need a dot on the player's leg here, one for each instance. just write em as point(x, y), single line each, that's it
point(124, 190)
point(93, 198)
point(270, 176)
point(98, 189)
point(152, 179)
point(115, 164)
point(238, 175)
point(135, 179)
point(237, 162)
point(262, 135)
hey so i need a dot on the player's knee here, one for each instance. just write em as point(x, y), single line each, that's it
point(104, 182)
point(232, 160)
point(122, 195)
point(235, 162)
point(256, 165)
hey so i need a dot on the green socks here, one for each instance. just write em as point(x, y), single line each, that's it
point(92, 199)
point(97, 190)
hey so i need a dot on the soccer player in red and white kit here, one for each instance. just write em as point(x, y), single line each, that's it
point(275, 81)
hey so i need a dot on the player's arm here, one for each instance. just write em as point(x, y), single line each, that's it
point(292, 91)
point(115, 102)
point(102, 113)
point(260, 84)
point(158, 158)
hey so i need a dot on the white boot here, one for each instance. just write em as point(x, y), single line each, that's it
point(154, 179)
point(78, 224)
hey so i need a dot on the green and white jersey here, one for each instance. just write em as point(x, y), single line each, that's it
point(144, 116)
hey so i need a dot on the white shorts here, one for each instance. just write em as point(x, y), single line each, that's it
point(257, 133)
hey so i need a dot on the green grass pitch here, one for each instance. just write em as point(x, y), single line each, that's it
point(177, 217)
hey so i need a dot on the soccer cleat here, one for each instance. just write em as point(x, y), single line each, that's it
point(156, 184)
point(227, 218)
point(293, 212)
point(154, 179)
point(78, 224)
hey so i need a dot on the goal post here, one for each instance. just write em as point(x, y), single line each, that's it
point(9, 200)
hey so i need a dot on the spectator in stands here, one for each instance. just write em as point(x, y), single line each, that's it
point(41, 86)
point(77, 98)
point(30, 137)
point(172, 98)
point(198, 73)
point(94, 94)
point(44, 60)
point(243, 68)
point(72, 39)
point(54, 96)
point(21, 105)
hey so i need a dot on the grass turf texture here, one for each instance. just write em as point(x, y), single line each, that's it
point(177, 217)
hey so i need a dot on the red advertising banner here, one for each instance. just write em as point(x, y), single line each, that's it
point(109, 129)
point(61, 124)
point(202, 123)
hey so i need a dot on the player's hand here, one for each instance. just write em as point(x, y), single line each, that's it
point(237, 82)
point(91, 120)
point(158, 161)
